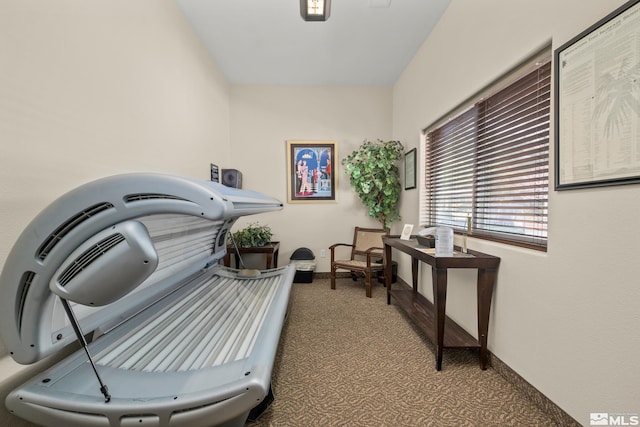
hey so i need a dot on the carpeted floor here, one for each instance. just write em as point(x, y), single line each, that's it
point(348, 360)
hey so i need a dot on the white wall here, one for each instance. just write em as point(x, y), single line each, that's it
point(566, 320)
point(263, 118)
point(89, 89)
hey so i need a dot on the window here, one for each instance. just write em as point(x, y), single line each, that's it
point(488, 162)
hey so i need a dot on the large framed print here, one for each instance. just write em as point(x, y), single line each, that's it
point(597, 103)
point(311, 172)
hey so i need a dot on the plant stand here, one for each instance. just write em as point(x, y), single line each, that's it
point(270, 250)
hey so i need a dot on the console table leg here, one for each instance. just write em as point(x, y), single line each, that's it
point(414, 274)
point(388, 272)
point(486, 281)
point(439, 277)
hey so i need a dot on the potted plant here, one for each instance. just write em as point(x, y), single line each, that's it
point(253, 235)
point(374, 174)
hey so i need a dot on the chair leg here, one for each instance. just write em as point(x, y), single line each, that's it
point(367, 283)
point(333, 277)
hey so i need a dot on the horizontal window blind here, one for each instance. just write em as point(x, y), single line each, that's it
point(450, 163)
point(489, 164)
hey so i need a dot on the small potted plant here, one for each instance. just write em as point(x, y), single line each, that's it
point(253, 235)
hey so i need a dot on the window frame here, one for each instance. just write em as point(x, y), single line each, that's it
point(534, 234)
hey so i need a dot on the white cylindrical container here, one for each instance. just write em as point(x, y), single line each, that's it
point(444, 241)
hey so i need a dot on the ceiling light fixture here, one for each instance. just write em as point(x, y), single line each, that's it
point(315, 10)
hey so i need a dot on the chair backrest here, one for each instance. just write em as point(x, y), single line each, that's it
point(366, 238)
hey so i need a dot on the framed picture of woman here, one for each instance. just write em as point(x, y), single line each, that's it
point(311, 171)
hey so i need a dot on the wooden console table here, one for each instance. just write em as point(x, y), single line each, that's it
point(270, 250)
point(431, 318)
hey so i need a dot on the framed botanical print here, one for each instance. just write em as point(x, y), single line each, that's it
point(410, 169)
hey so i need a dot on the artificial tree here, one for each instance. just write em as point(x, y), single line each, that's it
point(374, 174)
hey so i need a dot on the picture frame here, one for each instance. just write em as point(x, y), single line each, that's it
point(311, 171)
point(410, 169)
point(597, 142)
point(215, 173)
point(406, 232)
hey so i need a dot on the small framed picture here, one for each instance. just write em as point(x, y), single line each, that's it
point(410, 169)
point(214, 173)
point(406, 232)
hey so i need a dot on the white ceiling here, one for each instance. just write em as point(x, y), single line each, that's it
point(267, 42)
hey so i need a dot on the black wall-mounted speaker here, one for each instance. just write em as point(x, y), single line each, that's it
point(232, 178)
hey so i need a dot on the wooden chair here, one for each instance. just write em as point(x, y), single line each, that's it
point(367, 247)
